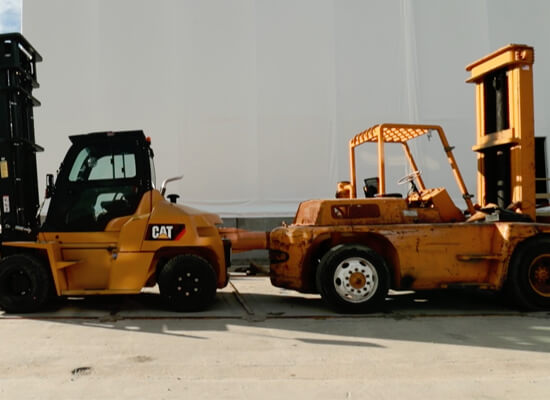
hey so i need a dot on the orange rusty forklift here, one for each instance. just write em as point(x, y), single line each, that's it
point(352, 251)
point(108, 230)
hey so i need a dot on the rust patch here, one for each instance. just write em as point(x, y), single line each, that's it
point(357, 280)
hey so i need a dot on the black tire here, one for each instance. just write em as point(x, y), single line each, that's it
point(353, 279)
point(25, 284)
point(528, 280)
point(187, 283)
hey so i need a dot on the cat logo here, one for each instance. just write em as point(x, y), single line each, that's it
point(165, 232)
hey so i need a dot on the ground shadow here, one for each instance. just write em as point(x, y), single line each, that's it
point(460, 317)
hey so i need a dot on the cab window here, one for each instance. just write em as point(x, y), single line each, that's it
point(91, 165)
point(103, 182)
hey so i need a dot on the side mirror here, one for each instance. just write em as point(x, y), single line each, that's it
point(49, 186)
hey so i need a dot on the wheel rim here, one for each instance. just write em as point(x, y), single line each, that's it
point(18, 283)
point(188, 284)
point(355, 280)
point(539, 275)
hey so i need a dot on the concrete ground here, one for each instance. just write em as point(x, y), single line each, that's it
point(260, 342)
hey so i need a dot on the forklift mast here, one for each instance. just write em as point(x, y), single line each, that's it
point(19, 201)
point(505, 128)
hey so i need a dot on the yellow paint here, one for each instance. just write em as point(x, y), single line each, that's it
point(120, 259)
point(3, 169)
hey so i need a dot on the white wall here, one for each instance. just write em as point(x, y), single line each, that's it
point(255, 100)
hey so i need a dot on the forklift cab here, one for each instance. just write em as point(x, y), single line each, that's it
point(103, 176)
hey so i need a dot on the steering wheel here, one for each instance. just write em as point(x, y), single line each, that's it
point(409, 177)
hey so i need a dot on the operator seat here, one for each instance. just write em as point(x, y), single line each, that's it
point(371, 189)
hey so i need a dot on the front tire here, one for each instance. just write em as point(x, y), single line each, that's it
point(528, 281)
point(25, 284)
point(353, 279)
point(187, 283)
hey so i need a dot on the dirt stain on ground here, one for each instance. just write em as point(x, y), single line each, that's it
point(141, 359)
point(81, 371)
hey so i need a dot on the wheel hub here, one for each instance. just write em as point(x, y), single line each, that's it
point(19, 283)
point(542, 274)
point(539, 275)
point(188, 284)
point(355, 279)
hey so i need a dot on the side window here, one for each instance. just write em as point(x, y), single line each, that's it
point(93, 163)
point(102, 185)
point(117, 166)
point(125, 166)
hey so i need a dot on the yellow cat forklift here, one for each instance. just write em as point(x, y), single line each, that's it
point(108, 230)
point(352, 250)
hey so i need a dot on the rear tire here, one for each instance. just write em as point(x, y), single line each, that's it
point(353, 279)
point(528, 281)
point(25, 284)
point(187, 283)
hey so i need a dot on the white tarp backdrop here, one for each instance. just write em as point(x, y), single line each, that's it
point(254, 101)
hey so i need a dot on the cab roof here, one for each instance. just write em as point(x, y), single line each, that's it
point(95, 137)
point(393, 133)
